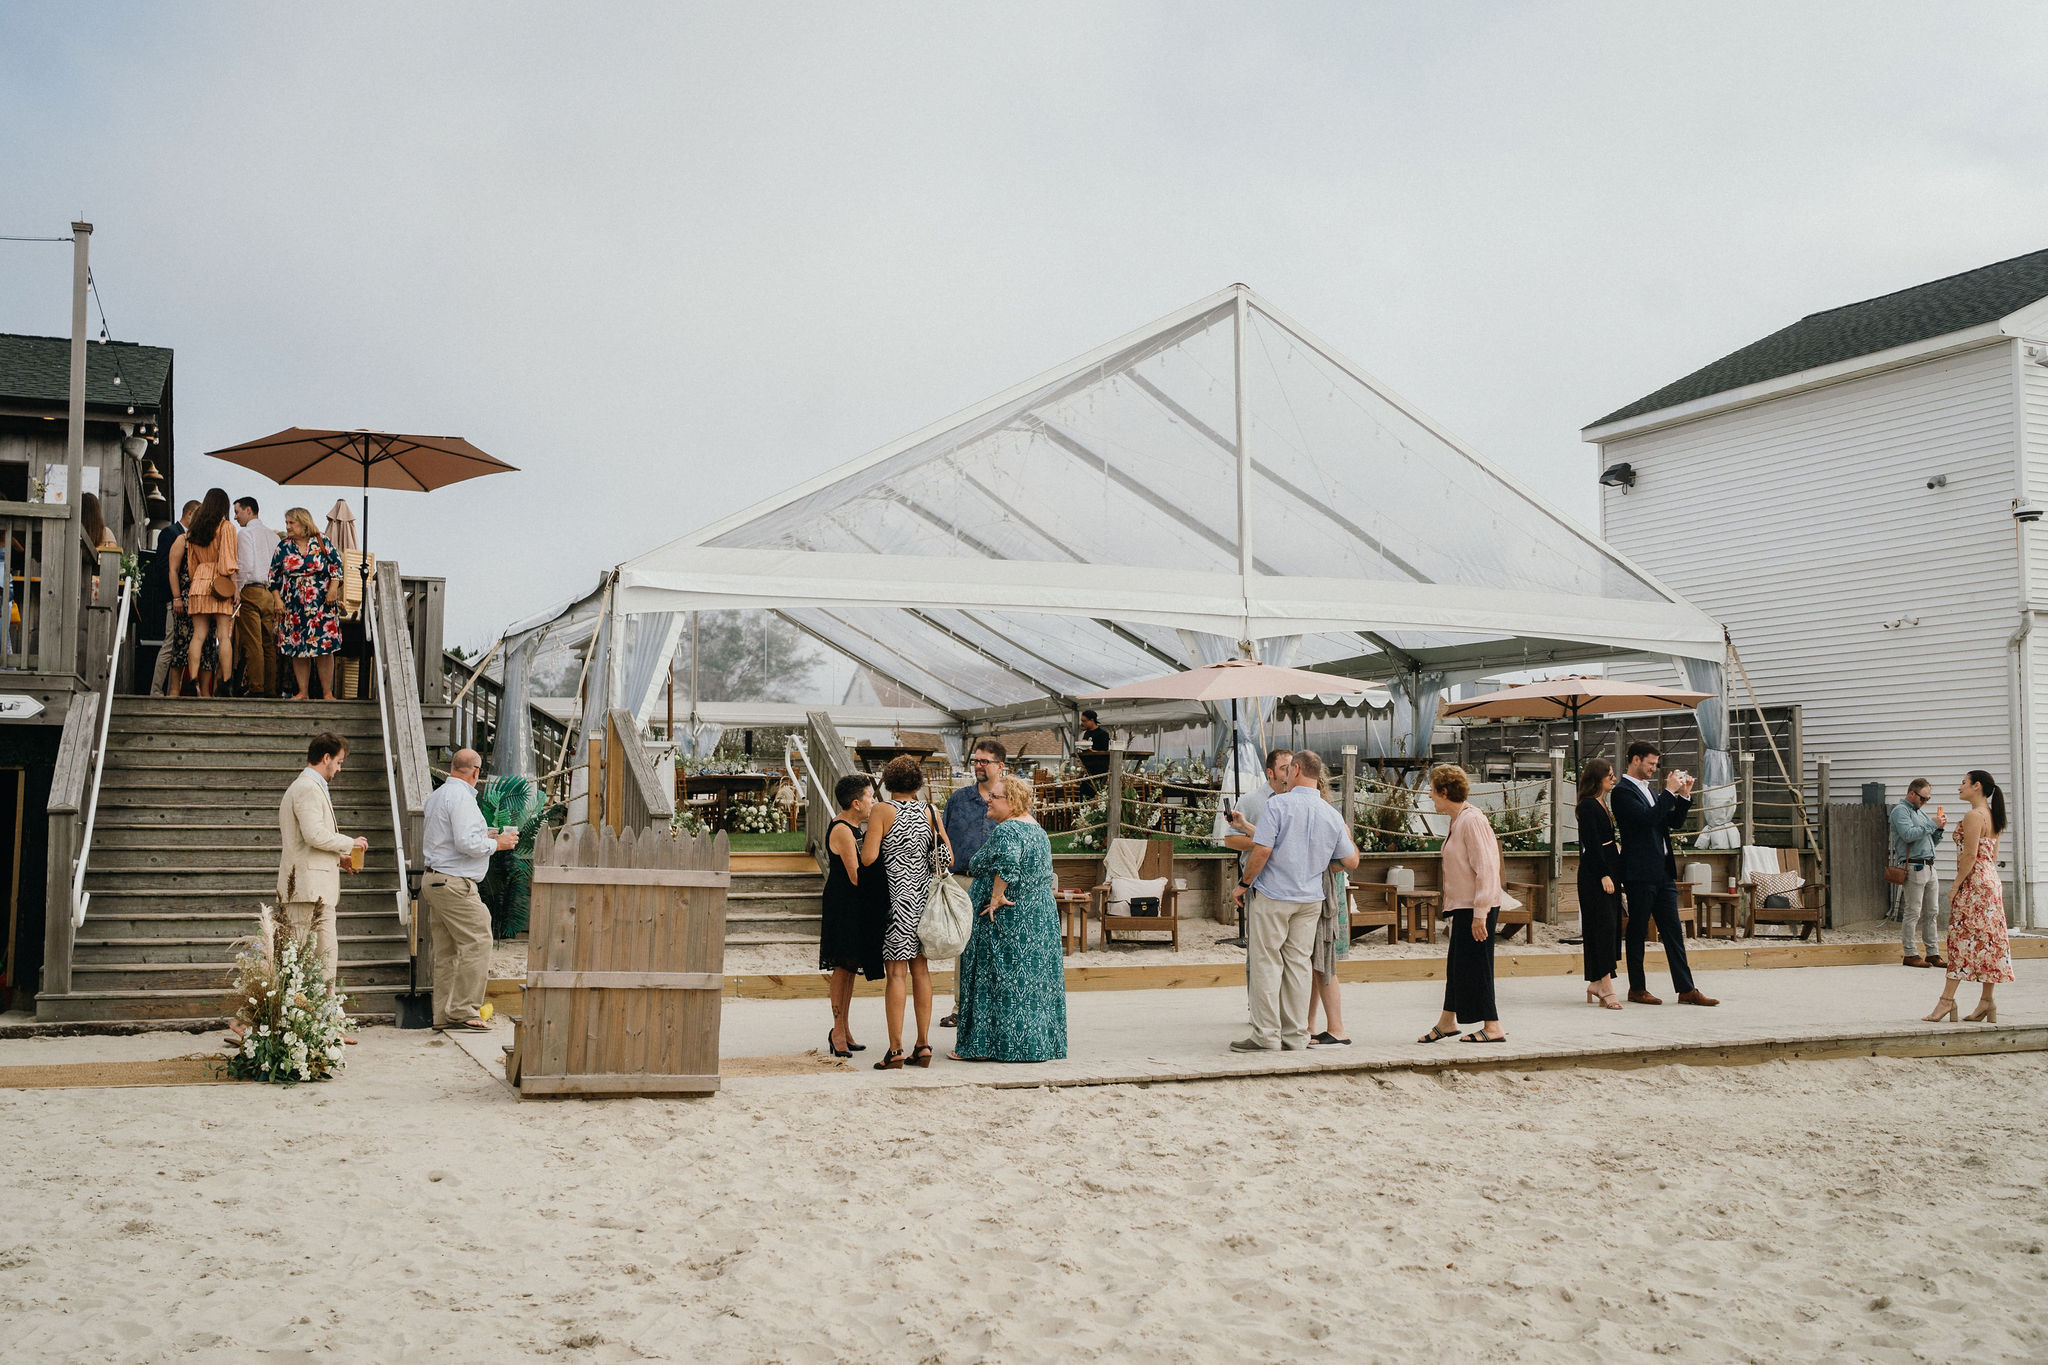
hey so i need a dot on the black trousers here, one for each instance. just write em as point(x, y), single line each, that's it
point(1468, 970)
point(1658, 899)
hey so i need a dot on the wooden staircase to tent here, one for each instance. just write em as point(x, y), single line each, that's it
point(186, 847)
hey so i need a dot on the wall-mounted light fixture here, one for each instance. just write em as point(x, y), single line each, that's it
point(1622, 476)
point(1938, 481)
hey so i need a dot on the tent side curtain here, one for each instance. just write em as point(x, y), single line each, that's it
point(682, 578)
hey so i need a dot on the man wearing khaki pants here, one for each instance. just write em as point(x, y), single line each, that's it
point(256, 621)
point(457, 846)
point(313, 851)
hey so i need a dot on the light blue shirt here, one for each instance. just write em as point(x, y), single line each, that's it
point(1914, 834)
point(1306, 835)
point(457, 842)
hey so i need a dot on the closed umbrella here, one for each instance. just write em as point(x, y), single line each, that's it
point(341, 527)
point(324, 456)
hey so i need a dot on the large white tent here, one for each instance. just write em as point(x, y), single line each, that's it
point(1216, 483)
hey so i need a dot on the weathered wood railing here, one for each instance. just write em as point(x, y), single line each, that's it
point(633, 795)
point(828, 759)
point(405, 732)
point(477, 698)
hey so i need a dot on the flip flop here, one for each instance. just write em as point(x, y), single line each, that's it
point(1477, 1037)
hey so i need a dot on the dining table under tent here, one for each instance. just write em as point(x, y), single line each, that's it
point(1218, 484)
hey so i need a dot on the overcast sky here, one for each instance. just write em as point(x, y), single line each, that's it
point(670, 259)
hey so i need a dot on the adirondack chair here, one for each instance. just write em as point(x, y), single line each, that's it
point(1805, 910)
point(1373, 906)
point(1147, 859)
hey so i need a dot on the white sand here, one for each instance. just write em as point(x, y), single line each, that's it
point(1871, 1209)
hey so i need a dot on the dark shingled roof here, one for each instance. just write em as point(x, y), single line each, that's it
point(38, 369)
point(1955, 304)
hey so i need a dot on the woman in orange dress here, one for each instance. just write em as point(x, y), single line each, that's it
point(1978, 947)
point(211, 599)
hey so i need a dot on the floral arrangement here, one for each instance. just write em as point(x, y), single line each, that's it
point(686, 821)
point(1384, 819)
point(755, 817)
point(288, 1013)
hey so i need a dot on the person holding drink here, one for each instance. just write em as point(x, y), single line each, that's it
point(457, 846)
point(313, 851)
point(1645, 819)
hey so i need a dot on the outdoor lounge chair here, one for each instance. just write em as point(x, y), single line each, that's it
point(1806, 908)
point(1147, 859)
point(1688, 914)
point(1373, 906)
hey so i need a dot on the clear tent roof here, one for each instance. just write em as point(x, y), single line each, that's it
point(1097, 525)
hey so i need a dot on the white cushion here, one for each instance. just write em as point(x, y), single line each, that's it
point(1123, 890)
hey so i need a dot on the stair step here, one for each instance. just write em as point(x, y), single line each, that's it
point(189, 781)
point(191, 860)
point(131, 758)
point(169, 808)
point(260, 882)
point(102, 924)
point(782, 883)
point(113, 951)
point(768, 940)
point(192, 976)
point(240, 707)
point(180, 1006)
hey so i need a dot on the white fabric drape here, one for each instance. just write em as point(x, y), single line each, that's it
point(1717, 795)
point(512, 745)
point(1414, 721)
point(652, 649)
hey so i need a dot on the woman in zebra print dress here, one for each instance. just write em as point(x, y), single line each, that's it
point(912, 848)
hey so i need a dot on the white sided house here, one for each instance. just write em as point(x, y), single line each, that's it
point(1853, 498)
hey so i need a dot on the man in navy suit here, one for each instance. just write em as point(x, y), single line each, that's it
point(1645, 817)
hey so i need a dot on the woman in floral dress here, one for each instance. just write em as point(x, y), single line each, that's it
point(1978, 947)
point(309, 632)
point(1012, 978)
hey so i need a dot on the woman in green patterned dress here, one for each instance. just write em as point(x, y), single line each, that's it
point(1012, 978)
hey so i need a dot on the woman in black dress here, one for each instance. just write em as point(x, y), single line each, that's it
point(1599, 883)
point(850, 922)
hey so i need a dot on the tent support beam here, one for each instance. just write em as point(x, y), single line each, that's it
point(1027, 650)
point(993, 658)
point(1003, 506)
point(838, 648)
point(1133, 485)
point(1274, 477)
point(1132, 638)
point(1409, 663)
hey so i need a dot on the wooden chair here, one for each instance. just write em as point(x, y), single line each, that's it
point(1805, 910)
point(1157, 863)
point(1532, 897)
point(1373, 906)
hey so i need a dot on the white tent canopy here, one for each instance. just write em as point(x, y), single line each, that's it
point(1217, 477)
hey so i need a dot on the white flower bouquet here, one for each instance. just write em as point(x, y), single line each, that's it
point(289, 1015)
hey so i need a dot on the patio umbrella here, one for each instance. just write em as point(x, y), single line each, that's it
point(1571, 699)
point(341, 526)
point(1230, 680)
point(371, 459)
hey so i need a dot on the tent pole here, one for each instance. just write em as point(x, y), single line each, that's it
point(363, 573)
point(1237, 799)
point(1241, 322)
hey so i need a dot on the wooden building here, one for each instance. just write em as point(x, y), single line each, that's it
point(1855, 498)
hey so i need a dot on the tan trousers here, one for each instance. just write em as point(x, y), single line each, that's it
point(460, 927)
point(256, 639)
point(316, 918)
point(1283, 938)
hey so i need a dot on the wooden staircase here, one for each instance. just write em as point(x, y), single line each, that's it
point(774, 899)
point(185, 849)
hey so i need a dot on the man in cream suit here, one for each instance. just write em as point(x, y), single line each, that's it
point(309, 870)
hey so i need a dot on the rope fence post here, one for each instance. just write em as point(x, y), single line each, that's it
point(1748, 797)
point(1115, 808)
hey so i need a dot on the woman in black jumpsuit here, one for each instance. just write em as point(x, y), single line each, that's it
point(1599, 883)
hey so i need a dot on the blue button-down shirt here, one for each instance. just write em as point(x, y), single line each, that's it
point(1915, 836)
point(967, 825)
point(456, 841)
point(1306, 835)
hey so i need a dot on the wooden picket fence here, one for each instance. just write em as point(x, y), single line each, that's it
point(624, 965)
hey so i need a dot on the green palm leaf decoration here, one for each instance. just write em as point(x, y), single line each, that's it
point(507, 889)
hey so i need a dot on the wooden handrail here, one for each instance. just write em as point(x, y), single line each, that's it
point(629, 759)
point(408, 737)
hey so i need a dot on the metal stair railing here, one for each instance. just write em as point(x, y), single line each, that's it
point(79, 897)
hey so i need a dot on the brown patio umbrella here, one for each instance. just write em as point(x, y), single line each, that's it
point(1572, 699)
point(366, 459)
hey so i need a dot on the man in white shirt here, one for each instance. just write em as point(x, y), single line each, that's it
point(457, 846)
point(1245, 818)
point(256, 623)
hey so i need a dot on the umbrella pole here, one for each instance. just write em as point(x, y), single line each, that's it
point(363, 573)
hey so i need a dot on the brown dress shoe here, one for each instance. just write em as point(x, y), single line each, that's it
point(1643, 998)
point(1917, 962)
point(1936, 960)
point(1693, 997)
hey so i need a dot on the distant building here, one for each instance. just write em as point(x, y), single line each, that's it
point(1848, 496)
point(127, 425)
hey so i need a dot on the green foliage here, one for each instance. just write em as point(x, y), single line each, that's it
point(747, 656)
point(290, 1017)
point(1385, 812)
point(507, 887)
point(1519, 824)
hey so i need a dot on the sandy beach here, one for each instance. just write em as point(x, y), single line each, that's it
point(1872, 1209)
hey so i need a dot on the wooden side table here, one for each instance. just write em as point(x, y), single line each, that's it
point(1073, 911)
point(1720, 913)
point(1418, 915)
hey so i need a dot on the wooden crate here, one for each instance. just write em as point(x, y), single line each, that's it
point(625, 965)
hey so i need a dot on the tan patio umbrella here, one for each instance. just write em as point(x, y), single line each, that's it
point(1571, 699)
point(327, 457)
point(341, 526)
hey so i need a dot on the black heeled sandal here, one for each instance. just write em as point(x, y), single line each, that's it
point(921, 1055)
point(891, 1061)
point(832, 1047)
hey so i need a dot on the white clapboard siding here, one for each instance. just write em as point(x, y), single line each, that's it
point(2032, 813)
point(1805, 524)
